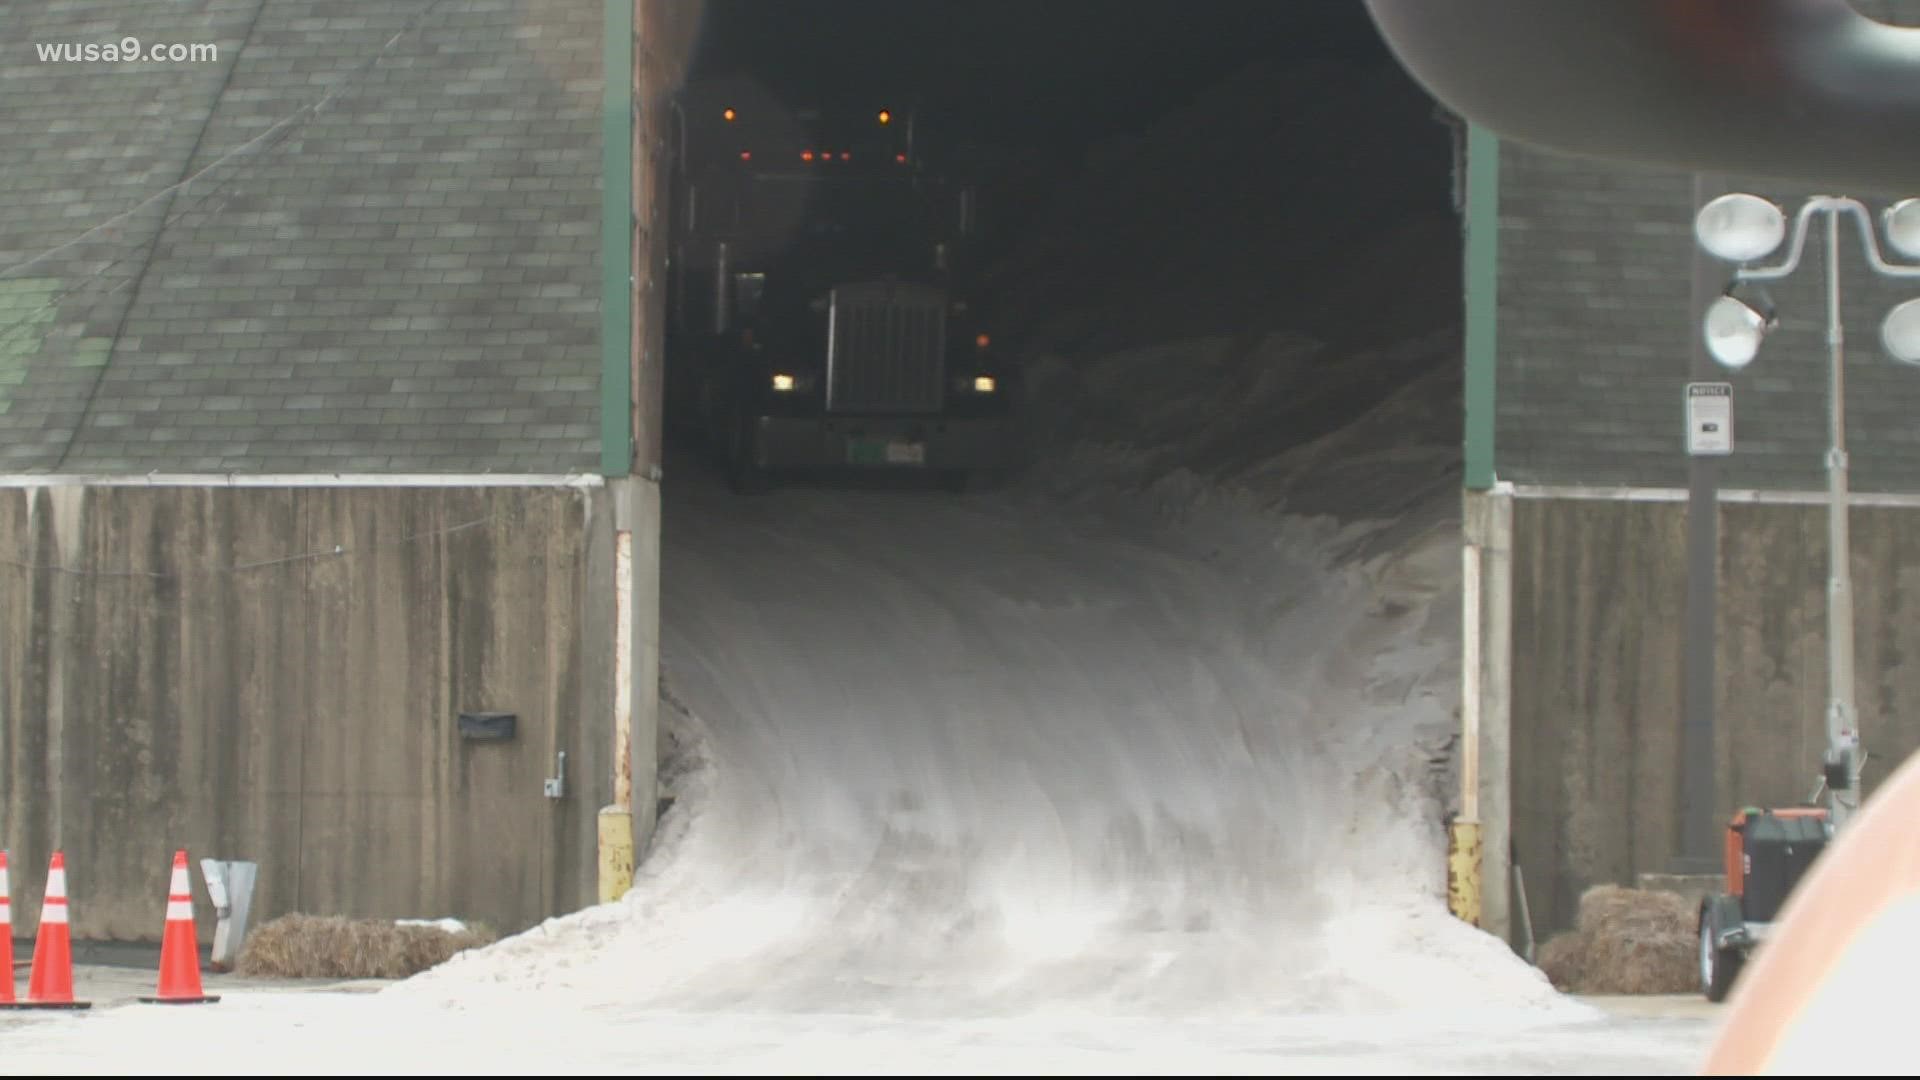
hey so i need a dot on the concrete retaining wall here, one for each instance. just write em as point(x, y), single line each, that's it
point(275, 674)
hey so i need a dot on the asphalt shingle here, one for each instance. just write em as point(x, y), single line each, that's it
point(282, 313)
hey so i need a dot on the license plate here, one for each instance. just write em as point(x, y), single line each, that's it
point(886, 452)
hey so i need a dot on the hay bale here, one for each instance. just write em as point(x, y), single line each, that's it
point(1626, 941)
point(1563, 959)
point(332, 947)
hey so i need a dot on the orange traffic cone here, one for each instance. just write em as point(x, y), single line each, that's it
point(50, 985)
point(6, 933)
point(179, 950)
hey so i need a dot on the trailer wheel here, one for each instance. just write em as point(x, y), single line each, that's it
point(1718, 966)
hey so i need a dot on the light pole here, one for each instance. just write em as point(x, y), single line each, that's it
point(1741, 229)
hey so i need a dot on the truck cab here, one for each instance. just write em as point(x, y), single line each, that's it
point(820, 314)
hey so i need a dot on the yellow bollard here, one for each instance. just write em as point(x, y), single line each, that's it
point(1463, 870)
point(616, 853)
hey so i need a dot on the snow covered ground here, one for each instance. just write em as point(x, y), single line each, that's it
point(283, 1033)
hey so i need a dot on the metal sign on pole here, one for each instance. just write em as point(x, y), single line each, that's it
point(1710, 419)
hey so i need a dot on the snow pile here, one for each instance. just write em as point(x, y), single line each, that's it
point(1308, 199)
point(1281, 427)
point(1259, 294)
point(965, 760)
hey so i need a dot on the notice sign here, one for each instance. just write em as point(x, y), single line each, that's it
point(1710, 418)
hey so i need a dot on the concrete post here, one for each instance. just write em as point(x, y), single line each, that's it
point(627, 823)
point(616, 832)
point(1487, 521)
point(1464, 883)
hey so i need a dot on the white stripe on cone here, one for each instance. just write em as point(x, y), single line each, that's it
point(179, 886)
point(55, 912)
point(57, 883)
point(179, 910)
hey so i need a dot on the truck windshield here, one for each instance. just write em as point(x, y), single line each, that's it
point(774, 205)
point(810, 226)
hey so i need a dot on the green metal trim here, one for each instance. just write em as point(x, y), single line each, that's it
point(616, 236)
point(1482, 278)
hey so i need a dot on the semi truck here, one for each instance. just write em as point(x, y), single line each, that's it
point(821, 307)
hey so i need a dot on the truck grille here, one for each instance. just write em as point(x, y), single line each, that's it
point(884, 350)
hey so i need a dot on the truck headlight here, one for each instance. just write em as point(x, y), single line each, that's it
point(984, 384)
point(784, 383)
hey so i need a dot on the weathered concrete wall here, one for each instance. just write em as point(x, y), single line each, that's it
point(1598, 598)
point(275, 674)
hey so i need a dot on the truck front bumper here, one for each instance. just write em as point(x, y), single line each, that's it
point(1745, 936)
point(896, 442)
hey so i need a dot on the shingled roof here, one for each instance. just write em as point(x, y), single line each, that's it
point(404, 280)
